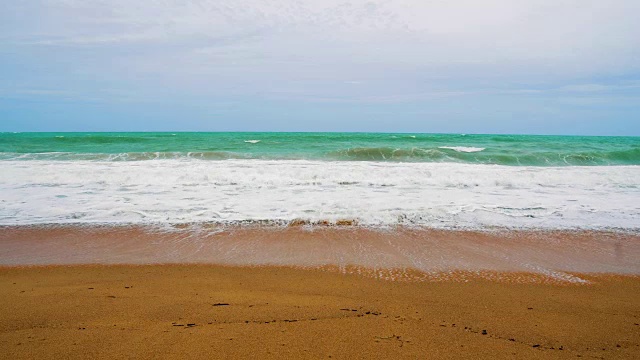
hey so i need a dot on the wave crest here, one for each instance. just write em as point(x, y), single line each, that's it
point(441, 154)
point(387, 154)
point(466, 149)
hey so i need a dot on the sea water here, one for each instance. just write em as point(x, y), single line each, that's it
point(431, 180)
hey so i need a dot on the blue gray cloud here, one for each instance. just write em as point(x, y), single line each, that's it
point(209, 53)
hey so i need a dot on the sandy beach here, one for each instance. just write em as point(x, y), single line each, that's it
point(200, 311)
point(318, 292)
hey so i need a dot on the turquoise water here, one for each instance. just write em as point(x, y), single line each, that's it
point(514, 150)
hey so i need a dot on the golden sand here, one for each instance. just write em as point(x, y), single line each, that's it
point(217, 312)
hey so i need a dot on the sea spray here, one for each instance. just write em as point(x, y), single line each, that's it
point(440, 195)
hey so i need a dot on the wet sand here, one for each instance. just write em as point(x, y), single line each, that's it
point(205, 311)
point(322, 292)
point(393, 254)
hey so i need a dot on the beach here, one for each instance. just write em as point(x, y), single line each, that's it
point(204, 311)
point(306, 291)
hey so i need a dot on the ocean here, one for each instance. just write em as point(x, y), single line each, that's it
point(446, 181)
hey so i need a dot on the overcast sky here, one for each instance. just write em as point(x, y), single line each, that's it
point(491, 66)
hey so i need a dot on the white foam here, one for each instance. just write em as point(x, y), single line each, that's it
point(467, 149)
point(375, 193)
point(252, 141)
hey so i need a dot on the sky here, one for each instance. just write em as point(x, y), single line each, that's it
point(445, 66)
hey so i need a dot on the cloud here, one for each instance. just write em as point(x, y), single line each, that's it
point(427, 32)
point(594, 88)
point(329, 51)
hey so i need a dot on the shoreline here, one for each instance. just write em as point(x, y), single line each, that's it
point(401, 253)
point(507, 278)
point(309, 225)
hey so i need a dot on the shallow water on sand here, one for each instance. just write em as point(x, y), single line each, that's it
point(394, 254)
